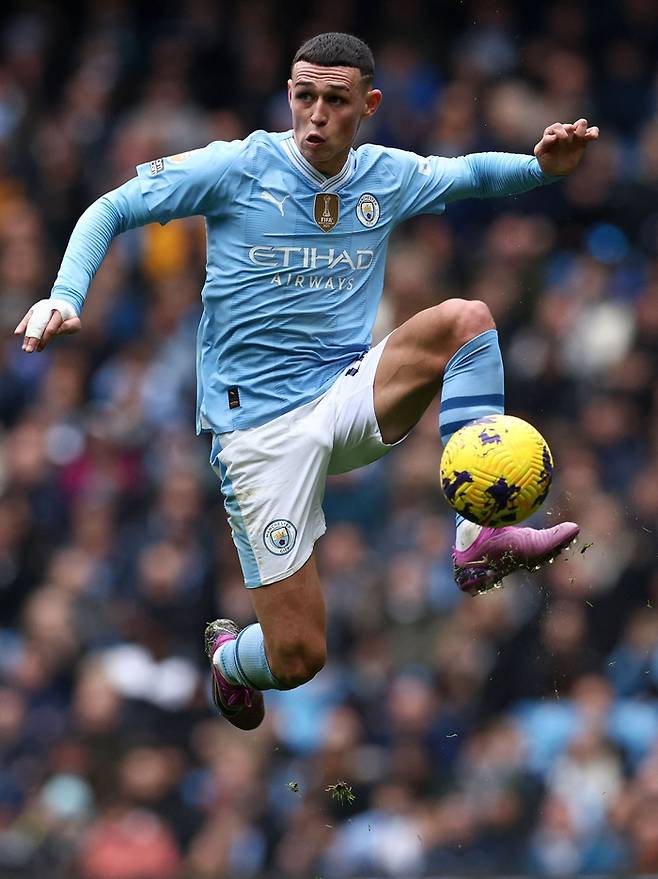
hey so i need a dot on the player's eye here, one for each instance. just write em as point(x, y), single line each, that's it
point(336, 99)
point(303, 96)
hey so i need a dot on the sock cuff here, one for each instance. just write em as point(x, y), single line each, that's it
point(217, 660)
point(485, 338)
point(244, 661)
point(276, 683)
point(239, 665)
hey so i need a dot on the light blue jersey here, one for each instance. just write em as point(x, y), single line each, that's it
point(295, 263)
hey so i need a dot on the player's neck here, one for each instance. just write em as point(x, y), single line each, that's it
point(332, 168)
point(328, 169)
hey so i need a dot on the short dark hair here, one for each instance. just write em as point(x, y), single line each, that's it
point(338, 50)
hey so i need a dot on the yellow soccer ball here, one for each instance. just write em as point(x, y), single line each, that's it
point(497, 470)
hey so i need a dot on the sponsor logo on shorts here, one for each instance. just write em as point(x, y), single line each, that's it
point(280, 536)
point(367, 210)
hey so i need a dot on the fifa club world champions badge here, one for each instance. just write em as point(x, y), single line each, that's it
point(326, 210)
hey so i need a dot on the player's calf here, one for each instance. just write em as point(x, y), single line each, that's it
point(295, 661)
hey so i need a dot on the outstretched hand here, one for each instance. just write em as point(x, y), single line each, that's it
point(562, 146)
point(47, 318)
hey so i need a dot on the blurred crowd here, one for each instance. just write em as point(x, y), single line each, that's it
point(516, 733)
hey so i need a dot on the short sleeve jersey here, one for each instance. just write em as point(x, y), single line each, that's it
point(295, 261)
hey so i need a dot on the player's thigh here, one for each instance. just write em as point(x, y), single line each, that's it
point(292, 615)
point(273, 480)
point(357, 439)
point(410, 370)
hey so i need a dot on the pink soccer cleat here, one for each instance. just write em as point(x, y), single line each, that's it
point(496, 552)
point(241, 706)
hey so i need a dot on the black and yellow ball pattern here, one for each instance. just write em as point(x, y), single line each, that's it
point(497, 470)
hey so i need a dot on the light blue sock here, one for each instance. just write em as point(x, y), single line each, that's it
point(243, 661)
point(473, 386)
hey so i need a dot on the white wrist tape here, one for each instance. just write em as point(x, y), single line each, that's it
point(41, 313)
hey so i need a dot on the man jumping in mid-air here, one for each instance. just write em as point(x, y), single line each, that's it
point(298, 224)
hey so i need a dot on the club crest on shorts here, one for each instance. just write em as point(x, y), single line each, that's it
point(280, 536)
point(326, 210)
point(367, 210)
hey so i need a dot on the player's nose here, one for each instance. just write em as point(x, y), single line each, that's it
point(319, 113)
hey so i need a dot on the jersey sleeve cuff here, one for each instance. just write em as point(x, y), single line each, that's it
point(75, 299)
point(543, 178)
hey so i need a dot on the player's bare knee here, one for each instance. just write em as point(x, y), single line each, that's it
point(450, 325)
point(296, 663)
point(466, 318)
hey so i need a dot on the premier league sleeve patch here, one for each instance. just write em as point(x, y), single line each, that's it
point(280, 536)
point(367, 210)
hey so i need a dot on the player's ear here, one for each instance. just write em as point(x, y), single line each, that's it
point(290, 93)
point(373, 100)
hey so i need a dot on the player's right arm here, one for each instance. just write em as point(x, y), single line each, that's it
point(174, 187)
point(115, 212)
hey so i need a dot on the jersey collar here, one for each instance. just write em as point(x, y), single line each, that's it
point(325, 184)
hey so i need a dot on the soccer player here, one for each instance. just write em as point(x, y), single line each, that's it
point(297, 226)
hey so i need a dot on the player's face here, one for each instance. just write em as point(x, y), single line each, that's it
point(328, 104)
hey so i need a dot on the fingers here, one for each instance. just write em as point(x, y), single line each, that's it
point(45, 319)
point(554, 137)
point(560, 128)
point(69, 327)
point(55, 327)
point(581, 130)
point(563, 145)
point(40, 316)
point(561, 133)
point(22, 326)
point(578, 129)
point(51, 328)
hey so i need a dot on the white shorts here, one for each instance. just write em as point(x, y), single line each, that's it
point(273, 476)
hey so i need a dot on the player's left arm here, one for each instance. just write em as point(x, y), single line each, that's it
point(433, 182)
point(485, 175)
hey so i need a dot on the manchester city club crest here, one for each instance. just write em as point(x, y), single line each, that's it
point(280, 536)
point(326, 210)
point(367, 210)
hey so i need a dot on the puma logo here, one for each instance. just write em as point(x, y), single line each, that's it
point(267, 196)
